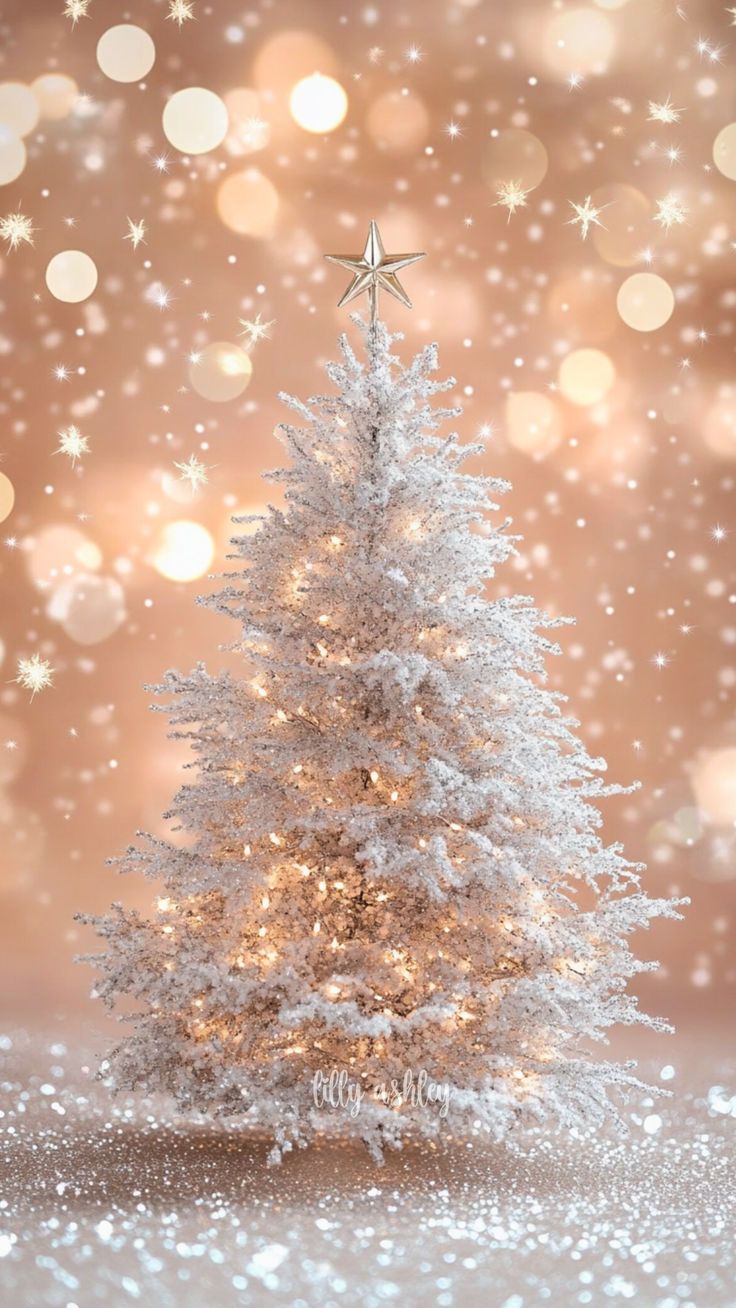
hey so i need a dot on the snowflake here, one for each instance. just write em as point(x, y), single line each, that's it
point(194, 472)
point(76, 9)
point(72, 442)
point(511, 196)
point(15, 228)
point(586, 214)
point(136, 232)
point(34, 674)
point(256, 330)
point(670, 212)
point(663, 112)
point(180, 11)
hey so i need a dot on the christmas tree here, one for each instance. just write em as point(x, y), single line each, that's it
point(393, 867)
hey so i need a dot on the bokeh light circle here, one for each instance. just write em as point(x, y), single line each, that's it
point(318, 103)
point(125, 53)
point(514, 156)
point(582, 302)
point(645, 301)
point(248, 203)
point(60, 551)
point(12, 155)
point(90, 608)
point(7, 497)
point(714, 783)
point(533, 423)
point(71, 276)
point(195, 120)
point(220, 372)
point(248, 131)
point(724, 151)
point(184, 551)
point(719, 426)
point(56, 94)
point(288, 56)
point(626, 223)
point(586, 376)
point(578, 41)
point(19, 108)
point(398, 123)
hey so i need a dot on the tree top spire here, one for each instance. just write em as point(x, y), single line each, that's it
point(374, 270)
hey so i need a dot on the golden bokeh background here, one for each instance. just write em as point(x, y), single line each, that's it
point(182, 183)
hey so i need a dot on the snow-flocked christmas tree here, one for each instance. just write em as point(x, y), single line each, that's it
point(393, 862)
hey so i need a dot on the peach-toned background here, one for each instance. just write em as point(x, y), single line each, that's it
point(625, 504)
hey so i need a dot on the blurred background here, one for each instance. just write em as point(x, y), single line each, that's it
point(171, 174)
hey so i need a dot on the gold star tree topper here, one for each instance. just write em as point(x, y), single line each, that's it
point(374, 270)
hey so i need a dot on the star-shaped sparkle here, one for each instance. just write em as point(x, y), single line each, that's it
point(16, 228)
point(586, 215)
point(34, 674)
point(374, 270)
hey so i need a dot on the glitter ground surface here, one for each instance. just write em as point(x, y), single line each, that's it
point(115, 1203)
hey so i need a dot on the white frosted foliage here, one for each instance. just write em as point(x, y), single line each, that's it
point(393, 858)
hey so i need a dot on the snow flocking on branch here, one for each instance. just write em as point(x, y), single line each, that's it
point(392, 857)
